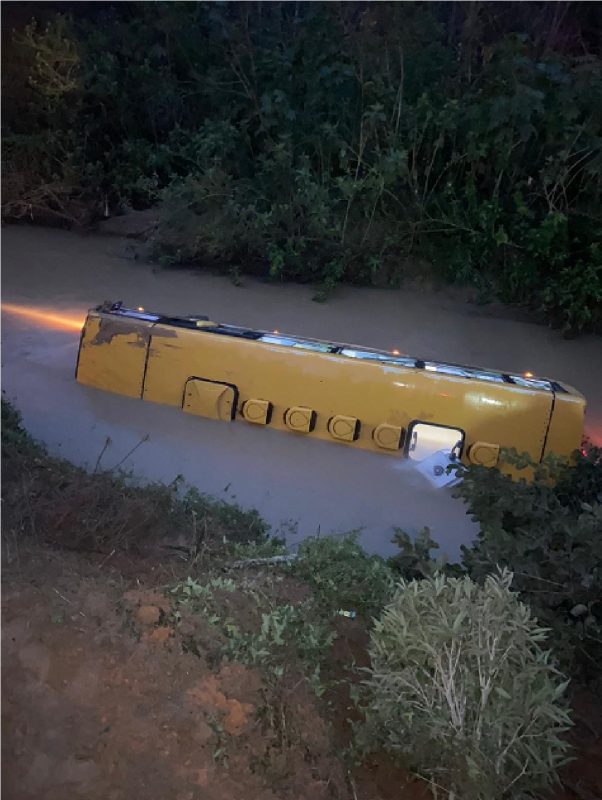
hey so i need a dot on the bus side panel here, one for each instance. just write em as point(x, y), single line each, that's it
point(334, 385)
point(508, 416)
point(112, 354)
point(490, 413)
point(566, 427)
point(174, 356)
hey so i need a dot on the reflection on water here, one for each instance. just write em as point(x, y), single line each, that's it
point(50, 319)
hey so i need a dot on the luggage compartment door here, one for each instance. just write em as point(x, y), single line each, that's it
point(210, 399)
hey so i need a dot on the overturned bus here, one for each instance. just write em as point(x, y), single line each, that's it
point(426, 411)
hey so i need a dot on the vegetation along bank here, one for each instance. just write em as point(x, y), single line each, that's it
point(324, 142)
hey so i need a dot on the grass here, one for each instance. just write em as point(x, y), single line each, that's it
point(48, 500)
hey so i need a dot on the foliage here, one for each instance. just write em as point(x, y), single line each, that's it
point(343, 576)
point(265, 547)
point(414, 559)
point(277, 637)
point(53, 501)
point(14, 435)
point(239, 527)
point(548, 532)
point(287, 633)
point(462, 687)
point(325, 142)
point(574, 296)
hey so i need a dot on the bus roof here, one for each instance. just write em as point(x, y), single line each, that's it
point(365, 354)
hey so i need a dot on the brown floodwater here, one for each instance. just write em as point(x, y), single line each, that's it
point(300, 486)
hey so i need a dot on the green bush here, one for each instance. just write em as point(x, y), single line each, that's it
point(324, 141)
point(15, 438)
point(414, 559)
point(548, 532)
point(573, 298)
point(286, 632)
point(273, 636)
point(343, 576)
point(461, 687)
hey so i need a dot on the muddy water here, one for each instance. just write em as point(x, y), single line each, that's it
point(300, 486)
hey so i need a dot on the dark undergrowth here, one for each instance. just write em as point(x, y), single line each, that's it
point(48, 500)
point(324, 142)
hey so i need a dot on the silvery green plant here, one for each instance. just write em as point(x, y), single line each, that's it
point(462, 688)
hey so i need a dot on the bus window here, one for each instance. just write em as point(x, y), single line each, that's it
point(531, 383)
point(300, 344)
point(283, 341)
point(318, 347)
point(463, 372)
point(374, 355)
point(425, 440)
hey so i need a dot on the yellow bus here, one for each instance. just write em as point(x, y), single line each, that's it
point(426, 411)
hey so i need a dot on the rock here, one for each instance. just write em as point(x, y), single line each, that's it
point(235, 714)
point(202, 776)
point(97, 604)
point(134, 251)
point(158, 635)
point(148, 615)
point(236, 680)
point(237, 717)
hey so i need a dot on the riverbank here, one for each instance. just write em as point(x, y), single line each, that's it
point(139, 656)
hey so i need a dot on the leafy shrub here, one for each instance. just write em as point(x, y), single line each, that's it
point(238, 527)
point(573, 297)
point(324, 142)
point(275, 637)
point(286, 634)
point(548, 532)
point(461, 686)
point(343, 576)
point(15, 438)
point(414, 559)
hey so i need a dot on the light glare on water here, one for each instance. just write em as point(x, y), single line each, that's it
point(50, 319)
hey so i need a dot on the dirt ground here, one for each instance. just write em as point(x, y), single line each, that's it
point(102, 701)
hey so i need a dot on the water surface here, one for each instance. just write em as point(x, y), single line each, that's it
point(300, 486)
